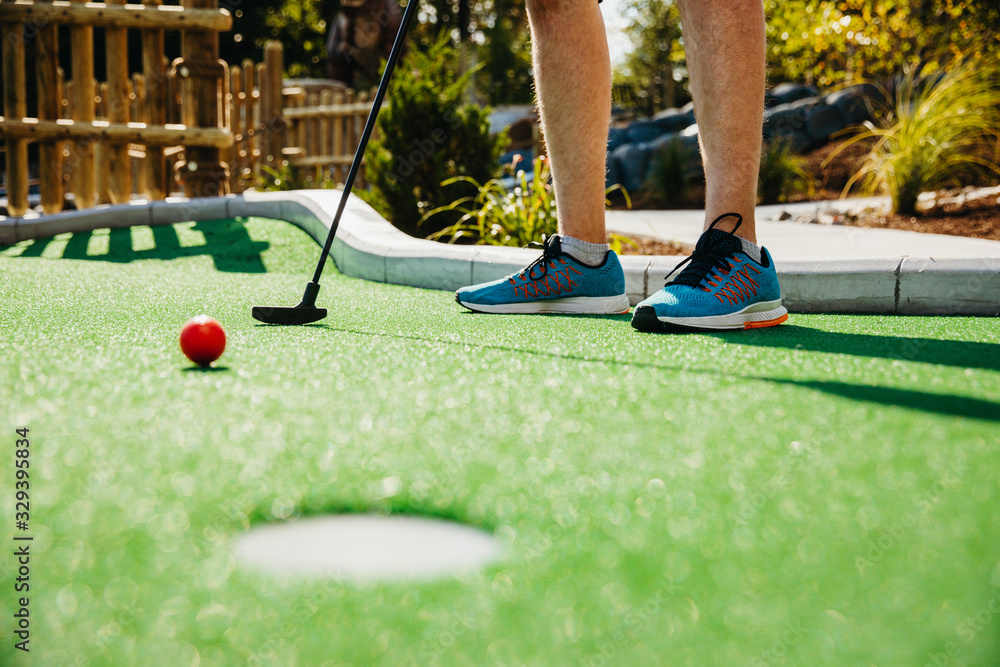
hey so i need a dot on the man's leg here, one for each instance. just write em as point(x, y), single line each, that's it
point(724, 44)
point(729, 282)
point(573, 80)
point(576, 272)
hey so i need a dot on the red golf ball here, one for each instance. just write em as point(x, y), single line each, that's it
point(203, 340)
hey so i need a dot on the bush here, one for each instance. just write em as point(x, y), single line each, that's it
point(497, 216)
point(430, 147)
point(782, 174)
point(668, 181)
point(515, 217)
point(936, 132)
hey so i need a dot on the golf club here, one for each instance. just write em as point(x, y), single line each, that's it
point(306, 310)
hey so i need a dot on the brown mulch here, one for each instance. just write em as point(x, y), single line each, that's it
point(978, 220)
point(647, 246)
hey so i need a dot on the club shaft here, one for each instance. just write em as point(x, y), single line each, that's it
point(397, 48)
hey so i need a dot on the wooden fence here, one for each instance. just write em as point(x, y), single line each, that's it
point(90, 135)
point(312, 127)
point(197, 123)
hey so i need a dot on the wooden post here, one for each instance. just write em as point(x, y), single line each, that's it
point(81, 164)
point(325, 143)
point(141, 151)
point(338, 138)
point(359, 120)
point(237, 101)
point(274, 60)
point(15, 105)
point(203, 173)
point(250, 119)
point(312, 128)
point(102, 150)
point(49, 108)
point(117, 104)
point(263, 116)
point(350, 133)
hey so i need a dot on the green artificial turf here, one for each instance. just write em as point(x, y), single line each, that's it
point(820, 493)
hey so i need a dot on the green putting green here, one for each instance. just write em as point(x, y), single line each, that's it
point(820, 493)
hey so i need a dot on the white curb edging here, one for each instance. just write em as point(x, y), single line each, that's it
point(368, 247)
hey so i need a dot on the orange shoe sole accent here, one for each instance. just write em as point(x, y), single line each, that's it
point(765, 323)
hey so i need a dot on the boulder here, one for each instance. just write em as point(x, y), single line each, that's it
point(786, 93)
point(672, 120)
point(632, 165)
point(788, 123)
point(822, 120)
point(617, 136)
point(611, 176)
point(643, 130)
point(852, 105)
point(689, 148)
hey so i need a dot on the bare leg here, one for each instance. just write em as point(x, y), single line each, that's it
point(573, 79)
point(724, 42)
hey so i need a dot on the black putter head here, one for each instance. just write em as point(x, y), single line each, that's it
point(304, 313)
point(287, 315)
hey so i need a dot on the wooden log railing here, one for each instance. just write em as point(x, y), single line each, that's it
point(136, 120)
point(313, 129)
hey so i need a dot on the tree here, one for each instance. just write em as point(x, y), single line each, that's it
point(828, 42)
point(300, 25)
point(504, 55)
point(426, 135)
point(654, 30)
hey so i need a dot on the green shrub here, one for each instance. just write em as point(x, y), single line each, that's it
point(936, 132)
point(497, 216)
point(782, 174)
point(668, 182)
point(430, 147)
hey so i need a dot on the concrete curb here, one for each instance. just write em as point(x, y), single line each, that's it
point(368, 247)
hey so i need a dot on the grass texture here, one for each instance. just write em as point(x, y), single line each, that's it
point(823, 492)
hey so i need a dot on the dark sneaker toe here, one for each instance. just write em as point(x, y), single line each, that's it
point(644, 319)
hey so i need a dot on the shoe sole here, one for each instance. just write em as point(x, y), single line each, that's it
point(756, 316)
point(573, 305)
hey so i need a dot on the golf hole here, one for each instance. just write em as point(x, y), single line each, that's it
point(365, 547)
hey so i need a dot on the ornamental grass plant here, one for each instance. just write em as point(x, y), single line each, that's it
point(937, 131)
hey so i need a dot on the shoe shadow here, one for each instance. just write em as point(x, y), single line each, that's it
point(619, 317)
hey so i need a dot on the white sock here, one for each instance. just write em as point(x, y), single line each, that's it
point(591, 254)
point(751, 249)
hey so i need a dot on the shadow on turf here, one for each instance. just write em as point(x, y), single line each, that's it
point(961, 354)
point(205, 369)
point(946, 404)
point(226, 241)
point(621, 317)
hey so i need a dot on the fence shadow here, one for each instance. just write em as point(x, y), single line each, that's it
point(957, 353)
point(226, 241)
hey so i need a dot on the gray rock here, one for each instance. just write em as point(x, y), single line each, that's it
point(617, 136)
point(822, 120)
point(642, 131)
point(633, 161)
point(672, 120)
point(789, 124)
point(787, 93)
point(852, 105)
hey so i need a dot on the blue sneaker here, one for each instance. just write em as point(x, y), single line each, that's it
point(720, 288)
point(554, 283)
